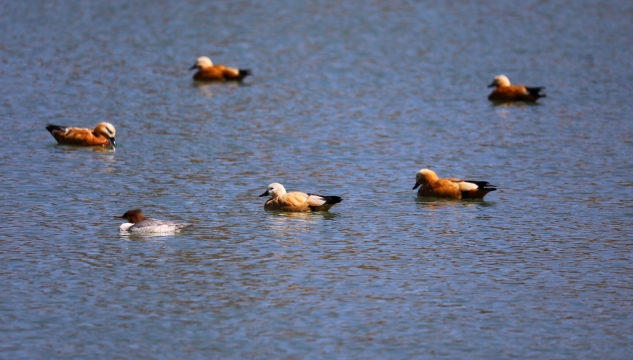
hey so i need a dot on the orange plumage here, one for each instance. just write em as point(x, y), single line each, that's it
point(102, 135)
point(297, 201)
point(209, 72)
point(450, 188)
point(505, 92)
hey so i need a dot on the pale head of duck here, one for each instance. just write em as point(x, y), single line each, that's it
point(274, 190)
point(107, 130)
point(500, 81)
point(424, 177)
point(202, 62)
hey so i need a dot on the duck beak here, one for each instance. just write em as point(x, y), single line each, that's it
point(265, 194)
point(113, 142)
point(118, 217)
point(415, 186)
point(193, 67)
point(492, 84)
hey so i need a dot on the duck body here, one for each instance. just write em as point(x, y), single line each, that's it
point(139, 224)
point(506, 92)
point(450, 188)
point(296, 201)
point(152, 226)
point(102, 135)
point(207, 71)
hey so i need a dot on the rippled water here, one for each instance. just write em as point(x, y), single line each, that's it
point(347, 99)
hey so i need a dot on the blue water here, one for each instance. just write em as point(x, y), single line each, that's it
point(347, 99)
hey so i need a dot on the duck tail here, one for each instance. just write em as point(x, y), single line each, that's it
point(536, 91)
point(332, 199)
point(483, 185)
point(51, 128)
point(183, 225)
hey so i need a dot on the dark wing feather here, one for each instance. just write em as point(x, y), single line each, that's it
point(51, 128)
point(484, 185)
point(536, 91)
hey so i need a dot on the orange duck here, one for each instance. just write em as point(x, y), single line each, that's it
point(209, 72)
point(102, 135)
point(450, 188)
point(296, 201)
point(505, 92)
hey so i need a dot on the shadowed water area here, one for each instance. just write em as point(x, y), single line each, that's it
point(346, 98)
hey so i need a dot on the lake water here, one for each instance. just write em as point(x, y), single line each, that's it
point(347, 98)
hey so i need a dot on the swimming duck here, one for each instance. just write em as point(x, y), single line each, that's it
point(297, 201)
point(506, 92)
point(102, 135)
point(139, 224)
point(208, 71)
point(452, 188)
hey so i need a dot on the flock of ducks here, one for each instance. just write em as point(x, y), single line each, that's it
point(429, 184)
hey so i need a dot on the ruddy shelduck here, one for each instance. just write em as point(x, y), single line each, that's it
point(451, 188)
point(209, 72)
point(102, 135)
point(505, 92)
point(139, 224)
point(297, 201)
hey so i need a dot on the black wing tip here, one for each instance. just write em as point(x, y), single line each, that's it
point(246, 72)
point(330, 199)
point(483, 185)
point(333, 199)
point(536, 91)
point(52, 127)
point(479, 183)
